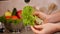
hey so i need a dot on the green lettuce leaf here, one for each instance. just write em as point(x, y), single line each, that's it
point(27, 17)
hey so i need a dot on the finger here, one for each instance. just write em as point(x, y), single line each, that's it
point(38, 26)
point(34, 30)
point(37, 31)
point(40, 15)
point(36, 13)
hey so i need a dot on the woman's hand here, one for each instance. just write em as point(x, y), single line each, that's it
point(48, 18)
point(41, 15)
point(47, 28)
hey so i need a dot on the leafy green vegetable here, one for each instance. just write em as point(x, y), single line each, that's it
point(27, 17)
point(9, 20)
point(17, 21)
point(2, 19)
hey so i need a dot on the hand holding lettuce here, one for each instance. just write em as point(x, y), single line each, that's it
point(27, 16)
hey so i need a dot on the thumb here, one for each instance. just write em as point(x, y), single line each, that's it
point(38, 26)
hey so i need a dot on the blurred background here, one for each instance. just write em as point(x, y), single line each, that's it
point(19, 4)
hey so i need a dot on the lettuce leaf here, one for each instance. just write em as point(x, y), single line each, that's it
point(27, 17)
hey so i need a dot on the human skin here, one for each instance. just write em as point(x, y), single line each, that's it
point(48, 18)
point(49, 26)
